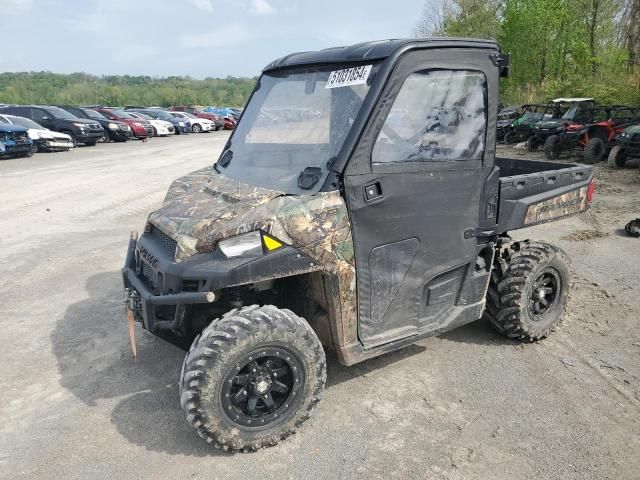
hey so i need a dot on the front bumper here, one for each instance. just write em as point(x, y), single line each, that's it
point(153, 279)
point(89, 136)
point(54, 144)
point(119, 134)
point(13, 148)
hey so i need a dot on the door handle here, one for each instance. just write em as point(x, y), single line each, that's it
point(372, 191)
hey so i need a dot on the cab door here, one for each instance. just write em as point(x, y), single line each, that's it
point(414, 188)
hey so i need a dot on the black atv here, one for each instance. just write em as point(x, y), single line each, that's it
point(564, 112)
point(521, 129)
point(366, 212)
point(627, 146)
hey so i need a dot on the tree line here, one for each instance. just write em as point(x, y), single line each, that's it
point(118, 90)
point(559, 48)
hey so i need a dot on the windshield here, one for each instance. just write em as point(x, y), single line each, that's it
point(123, 114)
point(141, 115)
point(60, 113)
point(187, 114)
point(25, 122)
point(569, 114)
point(161, 115)
point(93, 114)
point(296, 121)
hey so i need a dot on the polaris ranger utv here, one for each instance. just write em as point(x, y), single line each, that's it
point(357, 206)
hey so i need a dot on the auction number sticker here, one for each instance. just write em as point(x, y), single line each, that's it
point(349, 76)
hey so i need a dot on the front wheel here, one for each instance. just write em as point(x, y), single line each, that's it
point(552, 147)
point(616, 157)
point(594, 150)
point(252, 377)
point(528, 290)
point(196, 128)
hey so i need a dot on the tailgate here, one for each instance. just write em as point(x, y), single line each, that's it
point(543, 192)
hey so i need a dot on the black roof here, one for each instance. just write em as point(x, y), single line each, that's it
point(376, 50)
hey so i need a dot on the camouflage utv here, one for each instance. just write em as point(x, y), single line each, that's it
point(358, 206)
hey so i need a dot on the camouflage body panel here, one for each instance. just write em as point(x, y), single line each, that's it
point(570, 203)
point(204, 207)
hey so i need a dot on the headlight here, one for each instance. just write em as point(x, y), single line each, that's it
point(81, 125)
point(623, 135)
point(45, 136)
point(253, 244)
point(559, 129)
point(125, 127)
point(249, 245)
point(137, 124)
point(181, 124)
point(112, 126)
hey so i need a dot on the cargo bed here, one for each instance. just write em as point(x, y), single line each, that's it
point(533, 192)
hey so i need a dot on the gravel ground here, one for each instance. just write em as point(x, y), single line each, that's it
point(469, 404)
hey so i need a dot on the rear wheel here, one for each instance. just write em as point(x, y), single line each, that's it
point(616, 157)
point(532, 144)
point(26, 154)
point(252, 377)
point(528, 290)
point(510, 138)
point(196, 128)
point(594, 151)
point(552, 147)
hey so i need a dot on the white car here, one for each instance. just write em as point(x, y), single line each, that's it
point(43, 139)
point(197, 124)
point(160, 127)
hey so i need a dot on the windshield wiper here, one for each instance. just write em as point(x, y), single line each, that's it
point(309, 177)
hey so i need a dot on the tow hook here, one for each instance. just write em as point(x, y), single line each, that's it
point(132, 305)
point(132, 300)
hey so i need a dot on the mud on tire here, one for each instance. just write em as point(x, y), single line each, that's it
point(616, 157)
point(256, 350)
point(594, 151)
point(527, 275)
point(552, 147)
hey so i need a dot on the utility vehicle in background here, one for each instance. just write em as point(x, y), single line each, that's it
point(626, 147)
point(522, 128)
point(564, 111)
point(347, 228)
point(593, 132)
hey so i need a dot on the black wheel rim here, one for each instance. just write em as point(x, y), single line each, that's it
point(545, 293)
point(265, 385)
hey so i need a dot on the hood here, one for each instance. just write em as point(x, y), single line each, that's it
point(7, 128)
point(203, 207)
point(551, 123)
point(632, 130)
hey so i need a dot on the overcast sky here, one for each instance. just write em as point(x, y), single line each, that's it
point(200, 38)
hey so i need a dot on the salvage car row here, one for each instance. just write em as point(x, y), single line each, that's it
point(568, 125)
point(26, 129)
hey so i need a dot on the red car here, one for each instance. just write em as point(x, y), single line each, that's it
point(141, 128)
point(219, 121)
point(229, 123)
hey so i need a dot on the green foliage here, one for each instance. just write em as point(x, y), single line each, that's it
point(118, 90)
point(559, 48)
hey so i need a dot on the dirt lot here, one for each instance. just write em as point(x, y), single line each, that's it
point(470, 404)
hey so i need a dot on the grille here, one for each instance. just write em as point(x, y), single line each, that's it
point(21, 137)
point(167, 242)
point(150, 274)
